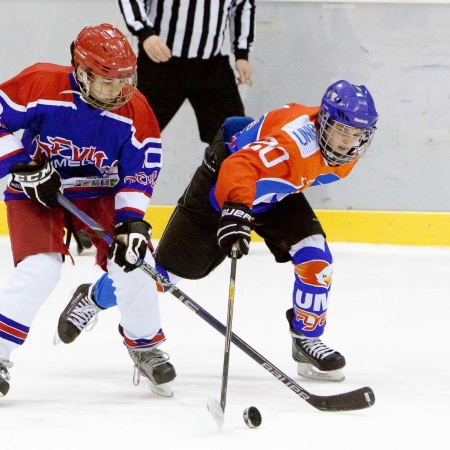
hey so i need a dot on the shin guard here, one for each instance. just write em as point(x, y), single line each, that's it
point(313, 273)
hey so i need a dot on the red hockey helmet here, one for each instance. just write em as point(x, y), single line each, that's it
point(104, 51)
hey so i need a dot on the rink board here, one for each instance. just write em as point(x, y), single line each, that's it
point(372, 227)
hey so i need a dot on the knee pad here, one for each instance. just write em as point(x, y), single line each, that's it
point(313, 261)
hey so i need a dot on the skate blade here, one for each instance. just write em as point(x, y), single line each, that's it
point(216, 411)
point(56, 339)
point(164, 390)
point(310, 372)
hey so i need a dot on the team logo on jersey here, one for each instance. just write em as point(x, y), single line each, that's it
point(310, 320)
point(143, 178)
point(317, 273)
point(303, 133)
point(70, 154)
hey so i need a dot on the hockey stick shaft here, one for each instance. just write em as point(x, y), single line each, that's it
point(226, 358)
point(217, 409)
point(347, 401)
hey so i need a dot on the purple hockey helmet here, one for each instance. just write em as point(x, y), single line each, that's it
point(347, 120)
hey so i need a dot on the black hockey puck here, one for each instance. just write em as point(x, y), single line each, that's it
point(252, 417)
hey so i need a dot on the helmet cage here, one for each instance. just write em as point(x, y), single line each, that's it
point(94, 89)
point(334, 134)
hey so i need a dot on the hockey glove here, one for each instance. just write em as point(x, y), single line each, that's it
point(235, 228)
point(39, 181)
point(130, 243)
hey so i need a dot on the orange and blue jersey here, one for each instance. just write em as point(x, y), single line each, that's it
point(95, 152)
point(272, 157)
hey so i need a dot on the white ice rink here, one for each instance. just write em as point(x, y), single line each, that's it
point(388, 315)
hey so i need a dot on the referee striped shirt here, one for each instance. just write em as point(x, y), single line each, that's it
point(193, 28)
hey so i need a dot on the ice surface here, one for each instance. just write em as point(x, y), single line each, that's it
point(388, 315)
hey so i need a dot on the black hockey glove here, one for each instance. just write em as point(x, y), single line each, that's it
point(39, 182)
point(235, 228)
point(130, 243)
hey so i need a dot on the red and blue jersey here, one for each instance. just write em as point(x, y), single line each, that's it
point(275, 156)
point(95, 152)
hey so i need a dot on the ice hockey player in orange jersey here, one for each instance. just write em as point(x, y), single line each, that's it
point(252, 178)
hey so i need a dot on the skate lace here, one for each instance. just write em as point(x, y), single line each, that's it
point(146, 361)
point(85, 315)
point(316, 348)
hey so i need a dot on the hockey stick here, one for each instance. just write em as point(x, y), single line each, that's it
point(347, 401)
point(218, 410)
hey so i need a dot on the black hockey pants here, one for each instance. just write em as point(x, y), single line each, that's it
point(188, 247)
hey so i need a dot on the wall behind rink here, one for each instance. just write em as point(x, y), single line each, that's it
point(399, 50)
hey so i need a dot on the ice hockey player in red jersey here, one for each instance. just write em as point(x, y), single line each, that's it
point(252, 178)
point(90, 134)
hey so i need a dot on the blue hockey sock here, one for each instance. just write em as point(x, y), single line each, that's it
point(104, 292)
point(313, 274)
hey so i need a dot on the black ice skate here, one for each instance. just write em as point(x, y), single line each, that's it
point(155, 366)
point(81, 311)
point(4, 376)
point(315, 360)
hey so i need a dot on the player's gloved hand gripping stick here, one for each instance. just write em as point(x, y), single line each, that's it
point(130, 243)
point(347, 401)
point(235, 226)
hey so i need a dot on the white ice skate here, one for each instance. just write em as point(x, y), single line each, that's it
point(154, 365)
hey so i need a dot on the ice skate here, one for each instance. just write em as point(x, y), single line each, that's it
point(153, 364)
point(80, 312)
point(4, 376)
point(316, 361)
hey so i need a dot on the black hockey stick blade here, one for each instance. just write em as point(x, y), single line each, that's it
point(347, 401)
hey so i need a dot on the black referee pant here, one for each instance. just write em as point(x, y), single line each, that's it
point(208, 84)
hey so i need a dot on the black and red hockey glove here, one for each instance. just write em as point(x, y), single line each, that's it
point(235, 227)
point(130, 244)
point(39, 181)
